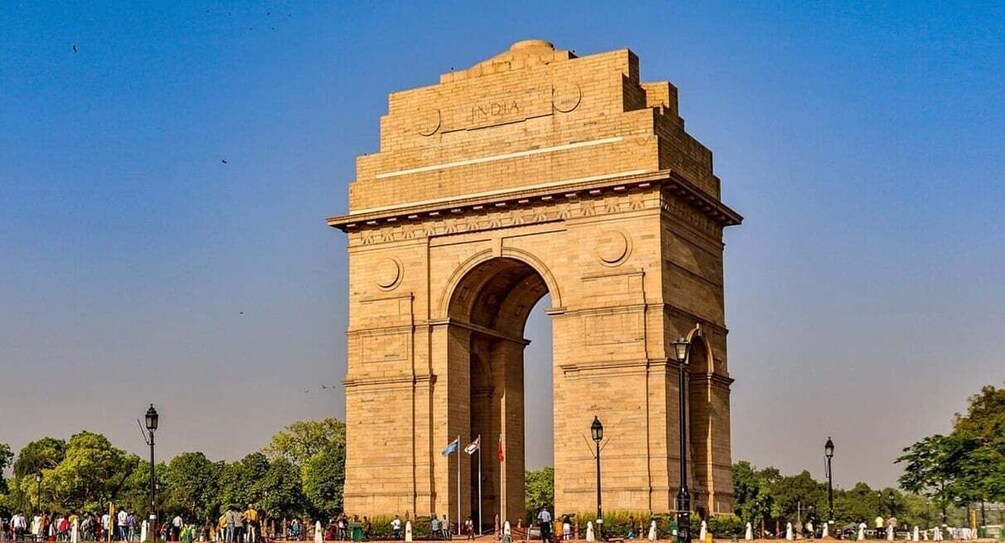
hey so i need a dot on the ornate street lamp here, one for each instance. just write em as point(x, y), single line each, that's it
point(152, 419)
point(681, 351)
point(266, 521)
point(829, 453)
point(597, 430)
point(38, 479)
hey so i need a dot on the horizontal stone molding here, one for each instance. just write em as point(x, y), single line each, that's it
point(624, 366)
point(407, 380)
point(699, 203)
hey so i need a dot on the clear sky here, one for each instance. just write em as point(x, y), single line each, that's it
point(863, 142)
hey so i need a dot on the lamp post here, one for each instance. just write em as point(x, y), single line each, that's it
point(38, 479)
point(266, 520)
point(152, 419)
point(829, 453)
point(681, 351)
point(597, 430)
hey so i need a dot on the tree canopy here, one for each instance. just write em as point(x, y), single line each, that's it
point(967, 465)
point(300, 472)
point(769, 496)
point(45, 453)
point(302, 440)
point(540, 489)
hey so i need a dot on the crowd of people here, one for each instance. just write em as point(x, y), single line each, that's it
point(121, 526)
point(236, 526)
point(232, 527)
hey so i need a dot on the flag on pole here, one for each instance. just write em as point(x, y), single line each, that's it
point(474, 445)
point(452, 447)
point(499, 452)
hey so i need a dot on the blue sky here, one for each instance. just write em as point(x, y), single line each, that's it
point(863, 142)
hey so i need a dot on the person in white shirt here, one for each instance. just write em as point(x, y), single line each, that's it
point(20, 526)
point(396, 527)
point(176, 524)
point(544, 519)
point(120, 527)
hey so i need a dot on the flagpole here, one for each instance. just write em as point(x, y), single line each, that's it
point(458, 521)
point(479, 484)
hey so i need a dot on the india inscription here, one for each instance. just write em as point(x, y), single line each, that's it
point(534, 172)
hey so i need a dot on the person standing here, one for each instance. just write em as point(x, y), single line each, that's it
point(131, 527)
point(469, 529)
point(544, 521)
point(20, 523)
point(176, 525)
point(221, 528)
point(120, 524)
point(106, 522)
point(239, 531)
point(251, 520)
point(231, 525)
point(396, 528)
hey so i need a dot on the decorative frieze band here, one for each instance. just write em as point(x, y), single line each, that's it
point(565, 207)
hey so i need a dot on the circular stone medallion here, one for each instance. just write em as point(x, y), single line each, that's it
point(388, 274)
point(566, 98)
point(612, 248)
point(429, 122)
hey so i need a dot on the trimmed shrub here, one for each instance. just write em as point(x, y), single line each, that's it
point(726, 526)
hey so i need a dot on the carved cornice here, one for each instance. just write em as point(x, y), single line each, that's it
point(712, 378)
point(530, 198)
point(633, 365)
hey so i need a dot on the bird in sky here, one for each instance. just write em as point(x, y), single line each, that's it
point(74, 47)
point(223, 160)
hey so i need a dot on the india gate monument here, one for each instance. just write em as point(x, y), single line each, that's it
point(535, 172)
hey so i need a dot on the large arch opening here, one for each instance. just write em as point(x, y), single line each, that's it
point(488, 313)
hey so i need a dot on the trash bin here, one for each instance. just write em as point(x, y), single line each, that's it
point(356, 529)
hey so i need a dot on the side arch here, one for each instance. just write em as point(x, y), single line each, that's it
point(704, 362)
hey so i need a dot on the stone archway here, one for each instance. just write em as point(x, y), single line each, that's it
point(488, 312)
point(533, 172)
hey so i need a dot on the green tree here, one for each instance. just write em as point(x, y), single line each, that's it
point(980, 435)
point(6, 457)
point(985, 416)
point(241, 481)
point(300, 441)
point(925, 469)
point(966, 466)
point(793, 496)
point(920, 511)
point(193, 485)
point(753, 500)
point(324, 480)
point(134, 494)
point(90, 474)
point(540, 489)
point(43, 454)
point(857, 504)
point(286, 495)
